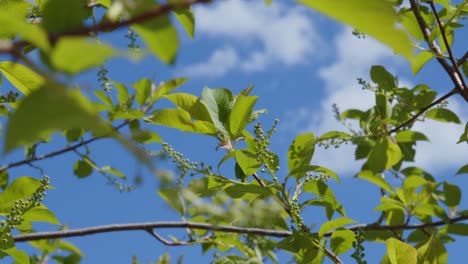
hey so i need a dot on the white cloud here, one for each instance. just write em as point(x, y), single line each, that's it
point(264, 35)
point(220, 62)
point(353, 59)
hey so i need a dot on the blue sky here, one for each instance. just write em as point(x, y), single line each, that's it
point(300, 63)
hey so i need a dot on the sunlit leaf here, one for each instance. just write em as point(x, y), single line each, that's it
point(20, 188)
point(240, 114)
point(23, 78)
point(376, 18)
point(383, 155)
point(41, 214)
point(173, 198)
point(400, 252)
point(247, 161)
point(186, 19)
point(180, 119)
point(410, 136)
point(443, 115)
point(341, 241)
point(19, 256)
point(375, 179)
point(301, 150)
point(334, 224)
point(161, 37)
point(65, 109)
point(66, 55)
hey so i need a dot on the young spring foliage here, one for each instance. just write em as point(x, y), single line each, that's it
point(48, 42)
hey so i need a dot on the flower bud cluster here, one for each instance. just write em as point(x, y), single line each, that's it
point(19, 208)
point(268, 158)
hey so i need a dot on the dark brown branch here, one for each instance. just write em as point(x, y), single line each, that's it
point(157, 11)
point(205, 226)
point(462, 59)
point(423, 110)
point(462, 87)
point(166, 242)
point(149, 226)
point(456, 79)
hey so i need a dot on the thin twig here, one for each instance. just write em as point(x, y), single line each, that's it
point(223, 228)
point(424, 109)
point(57, 152)
point(462, 59)
point(463, 89)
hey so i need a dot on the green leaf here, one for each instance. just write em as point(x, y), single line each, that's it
point(376, 18)
point(433, 251)
point(452, 194)
point(464, 135)
point(239, 190)
point(400, 252)
point(463, 170)
point(383, 78)
point(301, 150)
point(186, 19)
point(334, 224)
point(383, 155)
point(74, 134)
point(341, 241)
point(109, 169)
point(41, 214)
point(4, 178)
point(240, 114)
point(60, 16)
point(19, 256)
point(65, 109)
point(410, 136)
point(420, 60)
point(247, 161)
point(173, 198)
point(23, 78)
point(143, 90)
point(443, 115)
point(375, 179)
point(300, 171)
point(180, 119)
point(20, 188)
point(82, 168)
point(327, 197)
point(68, 56)
point(14, 25)
point(161, 37)
point(166, 87)
point(460, 229)
point(239, 173)
point(218, 102)
point(184, 101)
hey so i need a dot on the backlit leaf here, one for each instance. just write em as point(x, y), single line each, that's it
point(376, 18)
point(65, 109)
point(400, 252)
point(240, 114)
point(68, 56)
point(23, 78)
point(333, 224)
point(443, 115)
point(301, 150)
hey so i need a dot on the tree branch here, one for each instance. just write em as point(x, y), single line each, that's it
point(462, 88)
point(424, 109)
point(456, 79)
point(57, 152)
point(162, 9)
point(149, 226)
